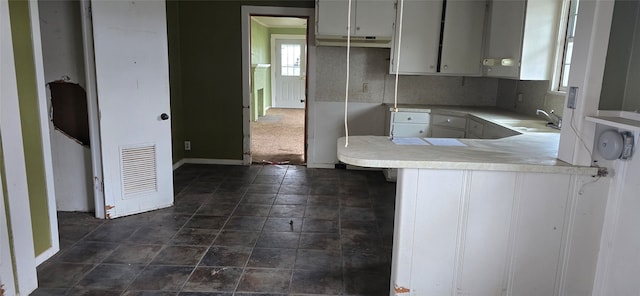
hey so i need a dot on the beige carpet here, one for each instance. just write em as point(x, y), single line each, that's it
point(278, 137)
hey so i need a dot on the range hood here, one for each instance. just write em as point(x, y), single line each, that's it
point(356, 41)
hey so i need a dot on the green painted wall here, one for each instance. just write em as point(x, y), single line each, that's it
point(177, 110)
point(288, 31)
point(30, 120)
point(260, 54)
point(211, 78)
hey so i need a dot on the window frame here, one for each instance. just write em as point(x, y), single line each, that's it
point(567, 22)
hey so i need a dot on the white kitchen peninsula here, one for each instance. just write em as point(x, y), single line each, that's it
point(494, 217)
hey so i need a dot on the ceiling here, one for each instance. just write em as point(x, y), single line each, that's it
point(281, 22)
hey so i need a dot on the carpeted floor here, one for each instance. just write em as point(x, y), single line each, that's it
point(278, 137)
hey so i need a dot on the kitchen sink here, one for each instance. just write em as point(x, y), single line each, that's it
point(530, 126)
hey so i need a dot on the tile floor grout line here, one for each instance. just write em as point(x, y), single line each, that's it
point(213, 241)
point(304, 179)
point(165, 245)
point(244, 268)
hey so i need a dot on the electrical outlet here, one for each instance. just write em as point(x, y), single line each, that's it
point(365, 87)
point(572, 97)
point(187, 145)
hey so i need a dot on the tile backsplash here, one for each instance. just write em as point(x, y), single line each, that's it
point(534, 95)
point(370, 66)
point(370, 82)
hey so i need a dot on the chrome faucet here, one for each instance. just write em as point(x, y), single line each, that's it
point(554, 122)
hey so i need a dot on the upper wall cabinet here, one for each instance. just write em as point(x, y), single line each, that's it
point(433, 42)
point(371, 22)
point(521, 39)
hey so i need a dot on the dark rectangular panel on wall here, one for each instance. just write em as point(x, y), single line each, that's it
point(70, 115)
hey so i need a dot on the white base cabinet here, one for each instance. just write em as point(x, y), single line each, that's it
point(462, 232)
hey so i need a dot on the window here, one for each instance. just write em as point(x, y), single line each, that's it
point(567, 50)
point(290, 59)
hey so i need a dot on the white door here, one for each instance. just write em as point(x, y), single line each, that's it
point(132, 78)
point(290, 73)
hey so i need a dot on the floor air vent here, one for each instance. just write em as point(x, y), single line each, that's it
point(138, 170)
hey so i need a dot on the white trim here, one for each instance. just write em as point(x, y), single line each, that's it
point(92, 105)
point(321, 166)
point(609, 230)
point(273, 39)
point(560, 42)
point(45, 133)
point(178, 164)
point(7, 281)
point(246, 13)
point(587, 71)
point(14, 164)
point(213, 161)
point(622, 114)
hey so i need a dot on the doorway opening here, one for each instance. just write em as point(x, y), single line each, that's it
point(278, 89)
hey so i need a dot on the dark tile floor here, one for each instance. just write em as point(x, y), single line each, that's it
point(236, 230)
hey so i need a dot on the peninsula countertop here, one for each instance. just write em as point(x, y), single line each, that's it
point(535, 149)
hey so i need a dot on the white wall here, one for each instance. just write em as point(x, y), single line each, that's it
point(619, 265)
point(364, 119)
point(63, 59)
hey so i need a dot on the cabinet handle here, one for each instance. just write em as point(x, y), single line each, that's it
point(421, 132)
point(408, 118)
point(431, 67)
point(358, 28)
point(448, 120)
point(445, 67)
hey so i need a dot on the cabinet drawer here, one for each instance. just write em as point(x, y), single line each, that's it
point(411, 117)
point(443, 132)
point(403, 130)
point(449, 121)
point(474, 128)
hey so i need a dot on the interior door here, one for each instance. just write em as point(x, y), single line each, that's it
point(290, 73)
point(132, 78)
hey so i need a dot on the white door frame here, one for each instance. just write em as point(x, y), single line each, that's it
point(15, 174)
point(45, 133)
point(247, 11)
point(92, 106)
point(274, 37)
point(6, 271)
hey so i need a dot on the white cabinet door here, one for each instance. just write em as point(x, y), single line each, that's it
point(504, 36)
point(132, 78)
point(368, 17)
point(462, 37)
point(443, 132)
point(421, 24)
point(526, 33)
point(331, 17)
point(374, 18)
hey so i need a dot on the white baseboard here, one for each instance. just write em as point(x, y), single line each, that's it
point(321, 165)
point(178, 164)
point(214, 161)
point(47, 254)
point(207, 161)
